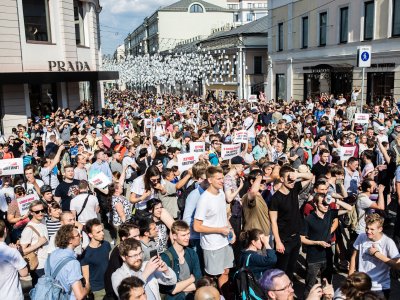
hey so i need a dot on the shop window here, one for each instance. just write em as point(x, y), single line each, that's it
point(396, 18)
point(344, 24)
point(323, 19)
point(257, 64)
point(280, 86)
point(196, 8)
point(36, 20)
point(304, 37)
point(280, 36)
point(79, 18)
point(369, 20)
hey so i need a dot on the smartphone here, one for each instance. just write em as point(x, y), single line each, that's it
point(153, 253)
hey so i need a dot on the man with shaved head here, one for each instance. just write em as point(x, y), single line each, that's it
point(207, 293)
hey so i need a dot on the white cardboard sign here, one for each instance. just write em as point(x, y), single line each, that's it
point(100, 180)
point(24, 203)
point(159, 101)
point(361, 118)
point(197, 147)
point(186, 161)
point(228, 151)
point(241, 136)
point(11, 166)
point(346, 152)
point(253, 98)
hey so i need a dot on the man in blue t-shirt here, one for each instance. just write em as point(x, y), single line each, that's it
point(95, 258)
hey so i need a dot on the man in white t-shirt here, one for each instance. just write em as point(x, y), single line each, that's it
point(216, 233)
point(84, 212)
point(33, 185)
point(11, 264)
point(366, 248)
point(34, 238)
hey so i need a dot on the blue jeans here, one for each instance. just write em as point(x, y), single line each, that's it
point(195, 245)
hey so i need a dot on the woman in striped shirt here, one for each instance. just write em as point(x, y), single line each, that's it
point(53, 218)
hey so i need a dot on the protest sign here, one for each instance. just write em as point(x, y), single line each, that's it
point(196, 105)
point(147, 123)
point(100, 180)
point(346, 152)
point(253, 98)
point(186, 161)
point(160, 101)
point(230, 151)
point(241, 136)
point(24, 203)
point(361, 118)
point(197, 147)
point(11, 166)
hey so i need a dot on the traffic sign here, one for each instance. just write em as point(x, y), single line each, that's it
point(364, 56)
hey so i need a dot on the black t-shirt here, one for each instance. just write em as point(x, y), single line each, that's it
point(66, 191)
point(289, 219)
point(283, 137)
point(317, 229)
point(319, 170)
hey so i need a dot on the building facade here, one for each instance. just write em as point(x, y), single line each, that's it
point(313, 48)
point(245, 11)
point(49, 56)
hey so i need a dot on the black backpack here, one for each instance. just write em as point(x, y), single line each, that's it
point(184, 193)
point(246, 284)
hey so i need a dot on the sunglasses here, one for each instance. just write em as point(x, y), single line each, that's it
point(42, 211)
point(155, 180)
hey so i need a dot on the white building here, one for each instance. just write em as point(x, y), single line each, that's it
point(313, 47)
point(49, 57)
point(245, 11)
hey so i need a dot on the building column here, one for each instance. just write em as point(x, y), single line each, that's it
point(289, 79)
point(269, 87)
point(62, 94)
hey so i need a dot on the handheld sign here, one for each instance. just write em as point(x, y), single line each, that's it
point(241, 136)
point(100, 180)
point(159, 101)
point(197, 147)
point(196, 106)
point(253, 98)
point(24, 203)
point(11, 166)
point(346, 152)
point(230, 151)
point(147, 123)
point(361, 118)
point(186, 161)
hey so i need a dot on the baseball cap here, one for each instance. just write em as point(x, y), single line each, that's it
point(238, 160)
point(45, 188)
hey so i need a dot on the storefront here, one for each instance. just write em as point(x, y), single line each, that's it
point(380, 82)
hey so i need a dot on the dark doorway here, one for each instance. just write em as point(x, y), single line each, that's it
point(43, 98)
point(379, 85)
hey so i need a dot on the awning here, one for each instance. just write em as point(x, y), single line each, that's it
point(52, 77)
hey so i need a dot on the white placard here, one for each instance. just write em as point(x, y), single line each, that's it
point(160, 101)
point(147, 123)
point(197, 147)
point(229, 151)
point(24, 203)
point(186, 161)
point(253, 98)
point(182, 110)
point(241, 136)
point(11, 166)
point(361, 118)
point(100, 180)
point(346, 152)
point(196, 105)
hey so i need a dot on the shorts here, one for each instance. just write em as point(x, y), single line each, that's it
point(216, 261)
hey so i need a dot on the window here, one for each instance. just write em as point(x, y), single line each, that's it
point(250, 17)
point(280, 86)
point(322, 28)
point(233, 6)
point(250, 5)
point(396, 18)
point(196, 8)
point(344, 24)
point(369, 20)
point(280, 36)
point(304, 37)
point(78, 17)
point(36, 20)
point(257, 64)
point(236, 18)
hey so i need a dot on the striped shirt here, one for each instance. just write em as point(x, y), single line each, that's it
point(52, 226)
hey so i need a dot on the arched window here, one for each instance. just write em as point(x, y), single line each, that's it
point(196, 8)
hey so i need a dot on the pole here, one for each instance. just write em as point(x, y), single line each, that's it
point(362, 90)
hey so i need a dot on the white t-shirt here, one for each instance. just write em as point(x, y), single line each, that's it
point(29, 237)
point(211, 209)
point(90, 210)
point(30, 189)
point(80, 174)
point(137, 187)
point(362, 205)
point(375, 268)
point(11, 261)
point(249, 124)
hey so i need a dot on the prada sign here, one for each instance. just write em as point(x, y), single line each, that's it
point(68, 66)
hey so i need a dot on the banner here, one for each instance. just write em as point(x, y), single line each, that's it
point(346, 152)
point(241, 136)
point(230, 151)
point(147, 123)
point(159, 101)
point(197, 147)
point(253, 98)
point(186, 161)
point(11, 166)
point(361, 118)
point(24, 203)
point(100, 180)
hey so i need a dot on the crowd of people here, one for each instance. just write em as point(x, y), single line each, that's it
point(311, 177)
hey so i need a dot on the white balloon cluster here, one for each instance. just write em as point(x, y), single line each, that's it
point(172, 69)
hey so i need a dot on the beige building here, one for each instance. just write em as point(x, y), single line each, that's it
point(245, 11)
point(49, 57)
point(313, 47)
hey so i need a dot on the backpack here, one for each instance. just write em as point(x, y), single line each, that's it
point(48, 287)
point(185, 191)
point(246, 284)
